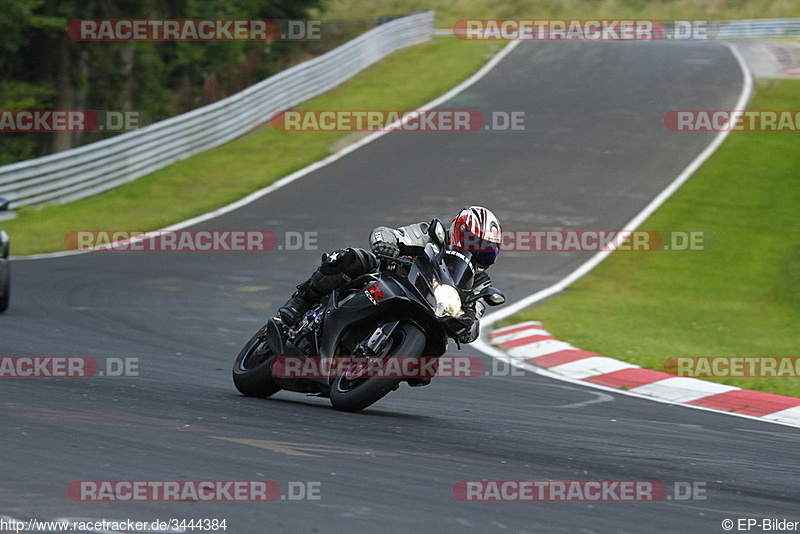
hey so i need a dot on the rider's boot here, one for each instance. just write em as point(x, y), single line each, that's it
point(308, 293)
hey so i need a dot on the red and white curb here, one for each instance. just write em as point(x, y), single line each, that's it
point(531, 343)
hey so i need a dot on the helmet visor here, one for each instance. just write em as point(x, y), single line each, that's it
point(483, 252)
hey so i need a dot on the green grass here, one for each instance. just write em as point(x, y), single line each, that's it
point(741, 298)
point(404, 80)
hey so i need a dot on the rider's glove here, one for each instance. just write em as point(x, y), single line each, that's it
point(386, 249)
point(472, 318)
point(472, 315)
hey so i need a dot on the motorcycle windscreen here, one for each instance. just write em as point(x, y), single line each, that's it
point(421, 276)
point(460, 268)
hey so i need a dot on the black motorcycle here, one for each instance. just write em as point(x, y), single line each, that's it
point(408, 310)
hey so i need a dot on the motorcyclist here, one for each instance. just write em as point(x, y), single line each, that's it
point(474, 229)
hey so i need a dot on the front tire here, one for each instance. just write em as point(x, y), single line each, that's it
point(352, 396)
point(252, 370)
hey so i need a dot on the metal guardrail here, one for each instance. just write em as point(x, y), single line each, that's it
point(97, 167)
point(758, 28)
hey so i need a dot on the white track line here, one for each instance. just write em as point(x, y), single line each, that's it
point(286, 180)
point(484, 345)
point(639, 218)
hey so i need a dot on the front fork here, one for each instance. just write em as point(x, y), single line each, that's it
point(366, 353)
point(378, 340)
point(375, 346)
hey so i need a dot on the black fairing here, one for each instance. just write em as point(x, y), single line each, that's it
point(351, 307)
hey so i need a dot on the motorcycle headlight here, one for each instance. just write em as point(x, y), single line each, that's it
point(448, 301)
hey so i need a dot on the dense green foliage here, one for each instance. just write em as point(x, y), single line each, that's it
point(42, 68)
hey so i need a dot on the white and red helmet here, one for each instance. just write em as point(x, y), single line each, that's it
point(475, 229)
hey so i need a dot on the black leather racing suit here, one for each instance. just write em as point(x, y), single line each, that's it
point(410, 241)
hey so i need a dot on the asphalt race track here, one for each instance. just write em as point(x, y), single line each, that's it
point(593, 153)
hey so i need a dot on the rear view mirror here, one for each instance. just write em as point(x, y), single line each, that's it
point(437, 232)
point(492, 295)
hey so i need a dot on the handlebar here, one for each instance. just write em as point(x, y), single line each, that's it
point(398, 259)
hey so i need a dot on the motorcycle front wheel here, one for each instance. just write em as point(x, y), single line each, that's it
point(354, 394)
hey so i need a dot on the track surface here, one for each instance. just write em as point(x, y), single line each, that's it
point(594, 153)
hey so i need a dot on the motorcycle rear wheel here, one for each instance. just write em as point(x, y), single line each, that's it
point(252, 370)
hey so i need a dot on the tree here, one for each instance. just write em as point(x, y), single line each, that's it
point(42, 68)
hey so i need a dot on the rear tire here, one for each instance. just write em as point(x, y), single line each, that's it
point(252, 370)
point(347, 397)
